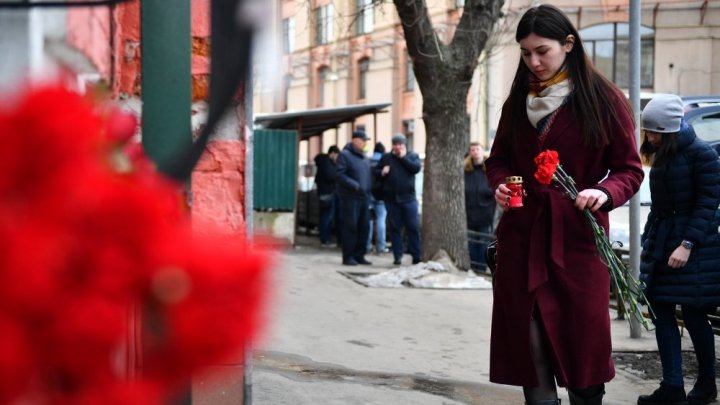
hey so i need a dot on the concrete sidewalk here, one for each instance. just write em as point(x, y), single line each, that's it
point(330, 340)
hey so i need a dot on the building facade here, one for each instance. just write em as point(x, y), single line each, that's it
point(345, 52)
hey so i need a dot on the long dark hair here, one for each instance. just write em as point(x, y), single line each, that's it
point(590, 98)
point(657, 156)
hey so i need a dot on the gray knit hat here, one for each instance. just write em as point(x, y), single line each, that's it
point(663, 114)
point(399, 138)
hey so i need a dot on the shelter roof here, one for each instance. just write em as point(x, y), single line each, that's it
point(315, 121)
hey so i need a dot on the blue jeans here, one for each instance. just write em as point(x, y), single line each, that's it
point(327, 213)
point(477, 245)
point(404, 215)
point(378, 207)
point(668, 341)
point(356, 220)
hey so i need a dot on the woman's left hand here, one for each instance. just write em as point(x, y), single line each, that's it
point(590, 198)
point(679, 257)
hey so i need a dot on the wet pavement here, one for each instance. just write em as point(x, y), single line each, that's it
point(329, 340)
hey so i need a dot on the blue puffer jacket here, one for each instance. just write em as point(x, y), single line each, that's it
point(685, 195)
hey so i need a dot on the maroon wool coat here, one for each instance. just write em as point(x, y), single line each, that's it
point(547, 256)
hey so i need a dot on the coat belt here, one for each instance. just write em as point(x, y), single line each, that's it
point(547, 227)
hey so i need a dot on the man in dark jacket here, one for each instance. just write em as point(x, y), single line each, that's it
point(353, 188)
point(325, 182)
point(479, 206)
point(399, 168)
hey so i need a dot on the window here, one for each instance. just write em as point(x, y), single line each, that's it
point(608, 47)
point(287, 81)
point(363, 67)
point(323, 74)
point(409, 131)
point(288, 28)
point(365, 16)
point(288, 35)
point(459, 3)
point(409, 74)
point(323, 25)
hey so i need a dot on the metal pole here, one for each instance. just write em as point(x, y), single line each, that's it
point(249, 214)
point(374, 128)
point(166, 93)
point(635, 328)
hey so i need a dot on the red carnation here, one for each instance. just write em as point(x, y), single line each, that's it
point(547, 162)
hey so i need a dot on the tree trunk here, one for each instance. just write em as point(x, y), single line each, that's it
point(443, 213)
point(444, 73)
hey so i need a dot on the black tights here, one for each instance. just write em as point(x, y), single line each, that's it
point(546, 389)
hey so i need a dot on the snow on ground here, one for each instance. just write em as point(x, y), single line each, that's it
point(425, 275)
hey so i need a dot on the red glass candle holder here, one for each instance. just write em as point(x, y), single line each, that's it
point(515, 184)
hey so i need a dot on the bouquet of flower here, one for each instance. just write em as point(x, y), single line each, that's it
point(629, 289)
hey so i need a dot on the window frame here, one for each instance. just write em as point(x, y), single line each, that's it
point(323, 73)
point(365, 21)
point(363, 69)
point(619, 39)
point(288, 28)
point(323, 24)
point(409, 74)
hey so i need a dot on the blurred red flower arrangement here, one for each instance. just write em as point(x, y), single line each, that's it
point(91, 236)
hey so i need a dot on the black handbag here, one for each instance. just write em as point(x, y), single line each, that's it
point(491, 258)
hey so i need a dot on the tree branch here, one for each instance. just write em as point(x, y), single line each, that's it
point(420, 37)
point(475, 28)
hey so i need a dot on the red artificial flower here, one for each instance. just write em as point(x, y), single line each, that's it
point(546, 162)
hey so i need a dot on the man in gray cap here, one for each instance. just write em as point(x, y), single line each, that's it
point(353, 188)
point(399, 168)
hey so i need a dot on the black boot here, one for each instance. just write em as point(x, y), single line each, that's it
point(665, 395)
point(592, 396)
point(704, 392)
point(545, 402)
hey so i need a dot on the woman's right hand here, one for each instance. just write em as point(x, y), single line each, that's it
point(502, 197)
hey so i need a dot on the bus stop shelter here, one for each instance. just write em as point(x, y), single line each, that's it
point(277, 138)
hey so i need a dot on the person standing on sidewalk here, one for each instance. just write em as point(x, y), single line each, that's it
point(398, 169)
point(325, 182)
point(353, 188)
point(479, 206)
point(680, 261)
point(551, 323)
point(378, 214)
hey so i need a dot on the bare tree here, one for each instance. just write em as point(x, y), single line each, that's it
point(444, 74)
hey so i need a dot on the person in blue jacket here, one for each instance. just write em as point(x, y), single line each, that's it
point(377, 205)
point(680, 260)
point(353, 189)
point(398, 169)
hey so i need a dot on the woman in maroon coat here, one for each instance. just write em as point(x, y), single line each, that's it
point(551, 321)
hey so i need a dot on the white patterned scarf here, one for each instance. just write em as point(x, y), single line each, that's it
point(547, 97)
